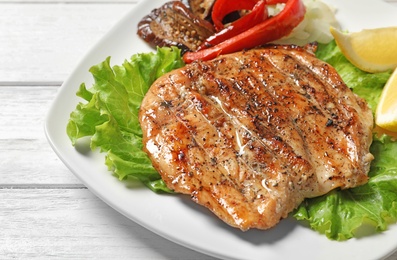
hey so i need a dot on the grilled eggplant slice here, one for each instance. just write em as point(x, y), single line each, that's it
point(201, 8)
point(173, 24)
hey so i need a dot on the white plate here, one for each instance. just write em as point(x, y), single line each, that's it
point(176, 217)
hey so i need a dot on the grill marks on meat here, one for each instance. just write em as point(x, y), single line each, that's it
point(250, 135)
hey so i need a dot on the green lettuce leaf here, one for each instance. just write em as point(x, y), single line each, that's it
point(110, 114)
point(367, 85)
point(341, 215)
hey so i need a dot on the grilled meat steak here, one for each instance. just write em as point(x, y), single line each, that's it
point(250, 135)
point(173, 24)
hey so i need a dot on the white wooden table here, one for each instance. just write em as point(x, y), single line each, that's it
point(46, 212)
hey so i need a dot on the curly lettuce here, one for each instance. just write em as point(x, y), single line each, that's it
point(110, 114)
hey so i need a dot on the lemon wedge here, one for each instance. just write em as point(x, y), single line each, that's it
point(386, 112)
point(371, 50)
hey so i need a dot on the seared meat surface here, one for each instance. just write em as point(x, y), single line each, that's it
point(250, 135)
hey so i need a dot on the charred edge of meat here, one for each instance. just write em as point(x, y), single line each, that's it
point(173, 24)
point(310, 48)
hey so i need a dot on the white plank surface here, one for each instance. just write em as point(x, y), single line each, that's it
point(74, 224)
point(44, 42)
point(25, 155)
point(45, 212)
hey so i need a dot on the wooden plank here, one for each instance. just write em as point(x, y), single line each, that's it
point(25, 155)
point(23, 109)
point(32, 163)
point(74, 224)
point(44, 42)
point(67, 1)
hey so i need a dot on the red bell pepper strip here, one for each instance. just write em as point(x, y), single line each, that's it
point(270, 30)
point(257, 15)
point(224, 7)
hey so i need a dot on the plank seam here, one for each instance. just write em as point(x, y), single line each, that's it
point(42, 186)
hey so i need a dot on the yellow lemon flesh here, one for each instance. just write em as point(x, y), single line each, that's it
point(386, 112)
point(372, 50)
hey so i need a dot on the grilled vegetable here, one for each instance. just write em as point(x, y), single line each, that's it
point(173, 24)
point(270, 30)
